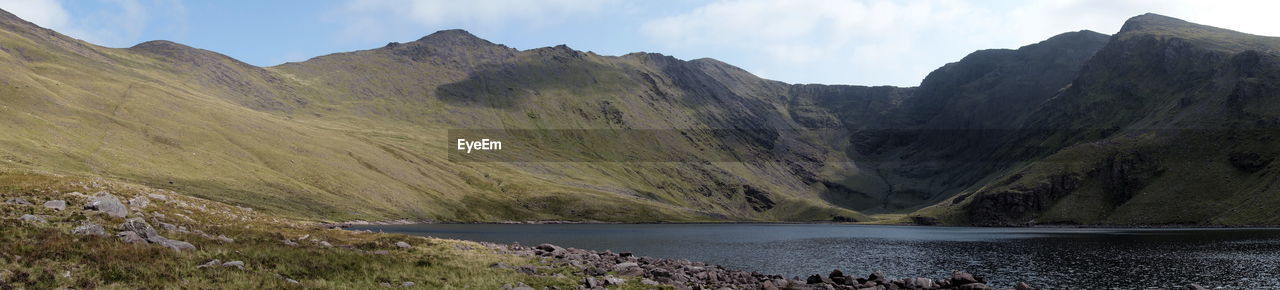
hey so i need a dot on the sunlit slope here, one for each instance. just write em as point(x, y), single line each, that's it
point(363, 139)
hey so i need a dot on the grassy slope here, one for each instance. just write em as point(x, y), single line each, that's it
point(47, 256)
point(358, 144)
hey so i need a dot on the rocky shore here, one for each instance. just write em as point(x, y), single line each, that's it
point(606, 268)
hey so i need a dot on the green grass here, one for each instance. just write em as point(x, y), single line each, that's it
point(47, 256)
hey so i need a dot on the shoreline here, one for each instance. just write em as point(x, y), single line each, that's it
point(348, 224)
point(617, 268)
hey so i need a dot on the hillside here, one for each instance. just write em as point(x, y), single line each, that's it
point(1165, 122)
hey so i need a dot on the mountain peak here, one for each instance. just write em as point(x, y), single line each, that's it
point(453, 37)
point(1210, 37)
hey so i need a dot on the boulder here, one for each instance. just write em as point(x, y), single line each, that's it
point(149, 234)
point(225, 239)
point(139, 226)
point(210, 263)
point(648, 282)
point(32, 219)
point(130, 237)
point(962, 278)
point(613, 281)
point(877, 277)
point(550, 250)
point(56, 204)
point(407, 284)
point(139, 202)
point(590, 282)
point(89, 229)
point(107, 203)
point(623, 266)
point(17, 201)
point(814, 279)
point(835, 273)
point(234, 264)
point(1023, 286)
point(403, 245)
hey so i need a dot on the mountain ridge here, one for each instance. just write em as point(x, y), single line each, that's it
point(355, 135)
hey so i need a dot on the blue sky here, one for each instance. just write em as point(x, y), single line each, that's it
point(866, 42)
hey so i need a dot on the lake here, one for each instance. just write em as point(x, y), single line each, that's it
point(1044, 257)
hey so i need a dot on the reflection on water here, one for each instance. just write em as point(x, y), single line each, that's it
point(1045, 257)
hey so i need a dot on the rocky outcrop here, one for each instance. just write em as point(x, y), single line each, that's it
point(149, 234)
point(107, 203)
point(608, 268)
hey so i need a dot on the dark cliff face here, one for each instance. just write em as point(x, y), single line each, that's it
point(1166, 123)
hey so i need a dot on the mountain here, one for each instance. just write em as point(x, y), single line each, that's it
point(1163, 122)
point(1169, 123)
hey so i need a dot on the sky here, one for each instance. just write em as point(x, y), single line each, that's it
point(863, 42)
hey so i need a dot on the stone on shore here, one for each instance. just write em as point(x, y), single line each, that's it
point(107, 203)
point(56, 204)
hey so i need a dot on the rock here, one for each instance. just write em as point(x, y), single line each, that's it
point(814, 279)
point(384, 284)
point(835, 273)
point(107, 203)
point(56, 204)
point(289, 243)
point(590, 282)
point(615, 281)
point(962, 278)
point(236, 264)
point(878, 277)
point(551, 250)
point(130, 237)
point(210, 263)
point(648, 282)
point(77, 194)
point(149, 234)
point(157, 196)
point(225, 239)
point(1024, 286)
point(168, 227)
point(326, 244)
point(291, 281)
point(32, 219)
point(176, 245)
point(403, 245)
point(1193, 286)
point(17, 201)
point(623, 266)
point(139, 226)
point(919, 282)
point(89, 229)
point(139, 202)
point(407, 284)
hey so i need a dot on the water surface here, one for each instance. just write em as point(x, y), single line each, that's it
point(1045, 257)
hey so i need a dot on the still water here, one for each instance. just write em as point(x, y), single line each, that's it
point(1045, 257)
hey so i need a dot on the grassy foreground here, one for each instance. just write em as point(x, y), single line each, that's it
point(47, 255)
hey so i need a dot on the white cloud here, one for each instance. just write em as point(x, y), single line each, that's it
point(899, 42)
point(116, 23)
point(372, 19)
point(46, 13)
